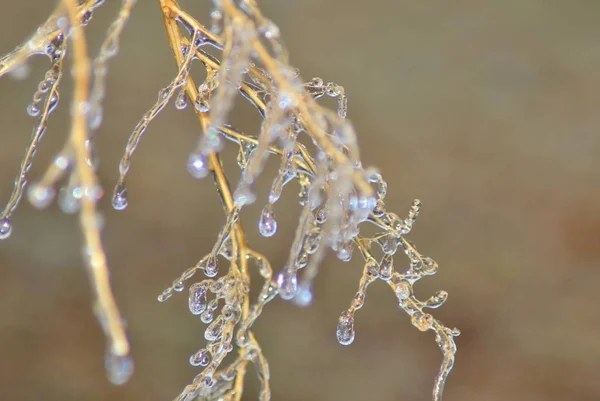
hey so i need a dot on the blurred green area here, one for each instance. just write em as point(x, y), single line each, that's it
point(485, 110)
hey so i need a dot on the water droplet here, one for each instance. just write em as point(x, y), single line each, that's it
point(267, 225)
point(321, 215)
point(311, 242)
point(213, 305)
point(119, 368)
point(389, 244)
point(181, 100)
point(201, 103)
point(207, 316)
point(304, 295)
point(372, 268)
point(345, 328)
point(316, 82)
point(436, 300)
point(270, 30)
point(243, 195)
point(210, 266)
point(86, 17)
point(33, 110)
point(164, 296)
point(386, 267)
point(403, 290)
point(39, 195)
point(288, 284)
point(198, 165)
point(5, 228)
point(67, 201)
point(119, 200)
point(200, 358)
point(359, 300)
point(422, 321)
point(197, 300)
point(302, 260)
point(344, 253)
point(215, 330)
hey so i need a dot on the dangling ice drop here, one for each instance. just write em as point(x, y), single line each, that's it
point(267, 225)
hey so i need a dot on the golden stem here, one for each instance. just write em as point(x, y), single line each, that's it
point(106, 307)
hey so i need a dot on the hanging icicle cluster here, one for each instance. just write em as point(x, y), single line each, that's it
point(337, 194)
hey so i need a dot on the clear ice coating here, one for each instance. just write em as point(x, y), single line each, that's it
point(197, 299)
point(119, 368)
point(345, 328)
point(5, 227)
point(267, 225)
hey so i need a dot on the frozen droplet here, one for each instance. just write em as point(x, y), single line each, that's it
point(201, 103)
point(436, 300)
point(422, 321)
point(372, 268)
point(197, 300)
point(227, 249)
point(359, 300)
point(207, 316)
point(267, 225)
point(39, 195)
point(316, 82)
point(386, 267)
point(119, 368)
point(270, 30)
point(379, 208)
point(345, 328)
point(321, 215)
point(119, 199)
point(210, 266)
point(165, 295)
point(5, 228)
point(197, 165)
point(178, 286)
point(181, 100)
point(311, 242)
point(215, 330)
point(304, 295)
point(302, 260)
point(33, 110)
point(430, 266)
point(389, 244)
point(243, 195)
point(288, 284)
point(213, 305)
point(403, 290)
point(200, 358)
point(344, 253)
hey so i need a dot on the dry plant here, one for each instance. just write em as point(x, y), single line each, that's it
point(337, 193)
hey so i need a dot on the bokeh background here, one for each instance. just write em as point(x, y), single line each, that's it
point(485, 110)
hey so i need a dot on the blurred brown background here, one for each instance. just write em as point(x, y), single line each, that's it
point(485, 110)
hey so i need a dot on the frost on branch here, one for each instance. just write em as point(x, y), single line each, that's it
point(337, 194)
